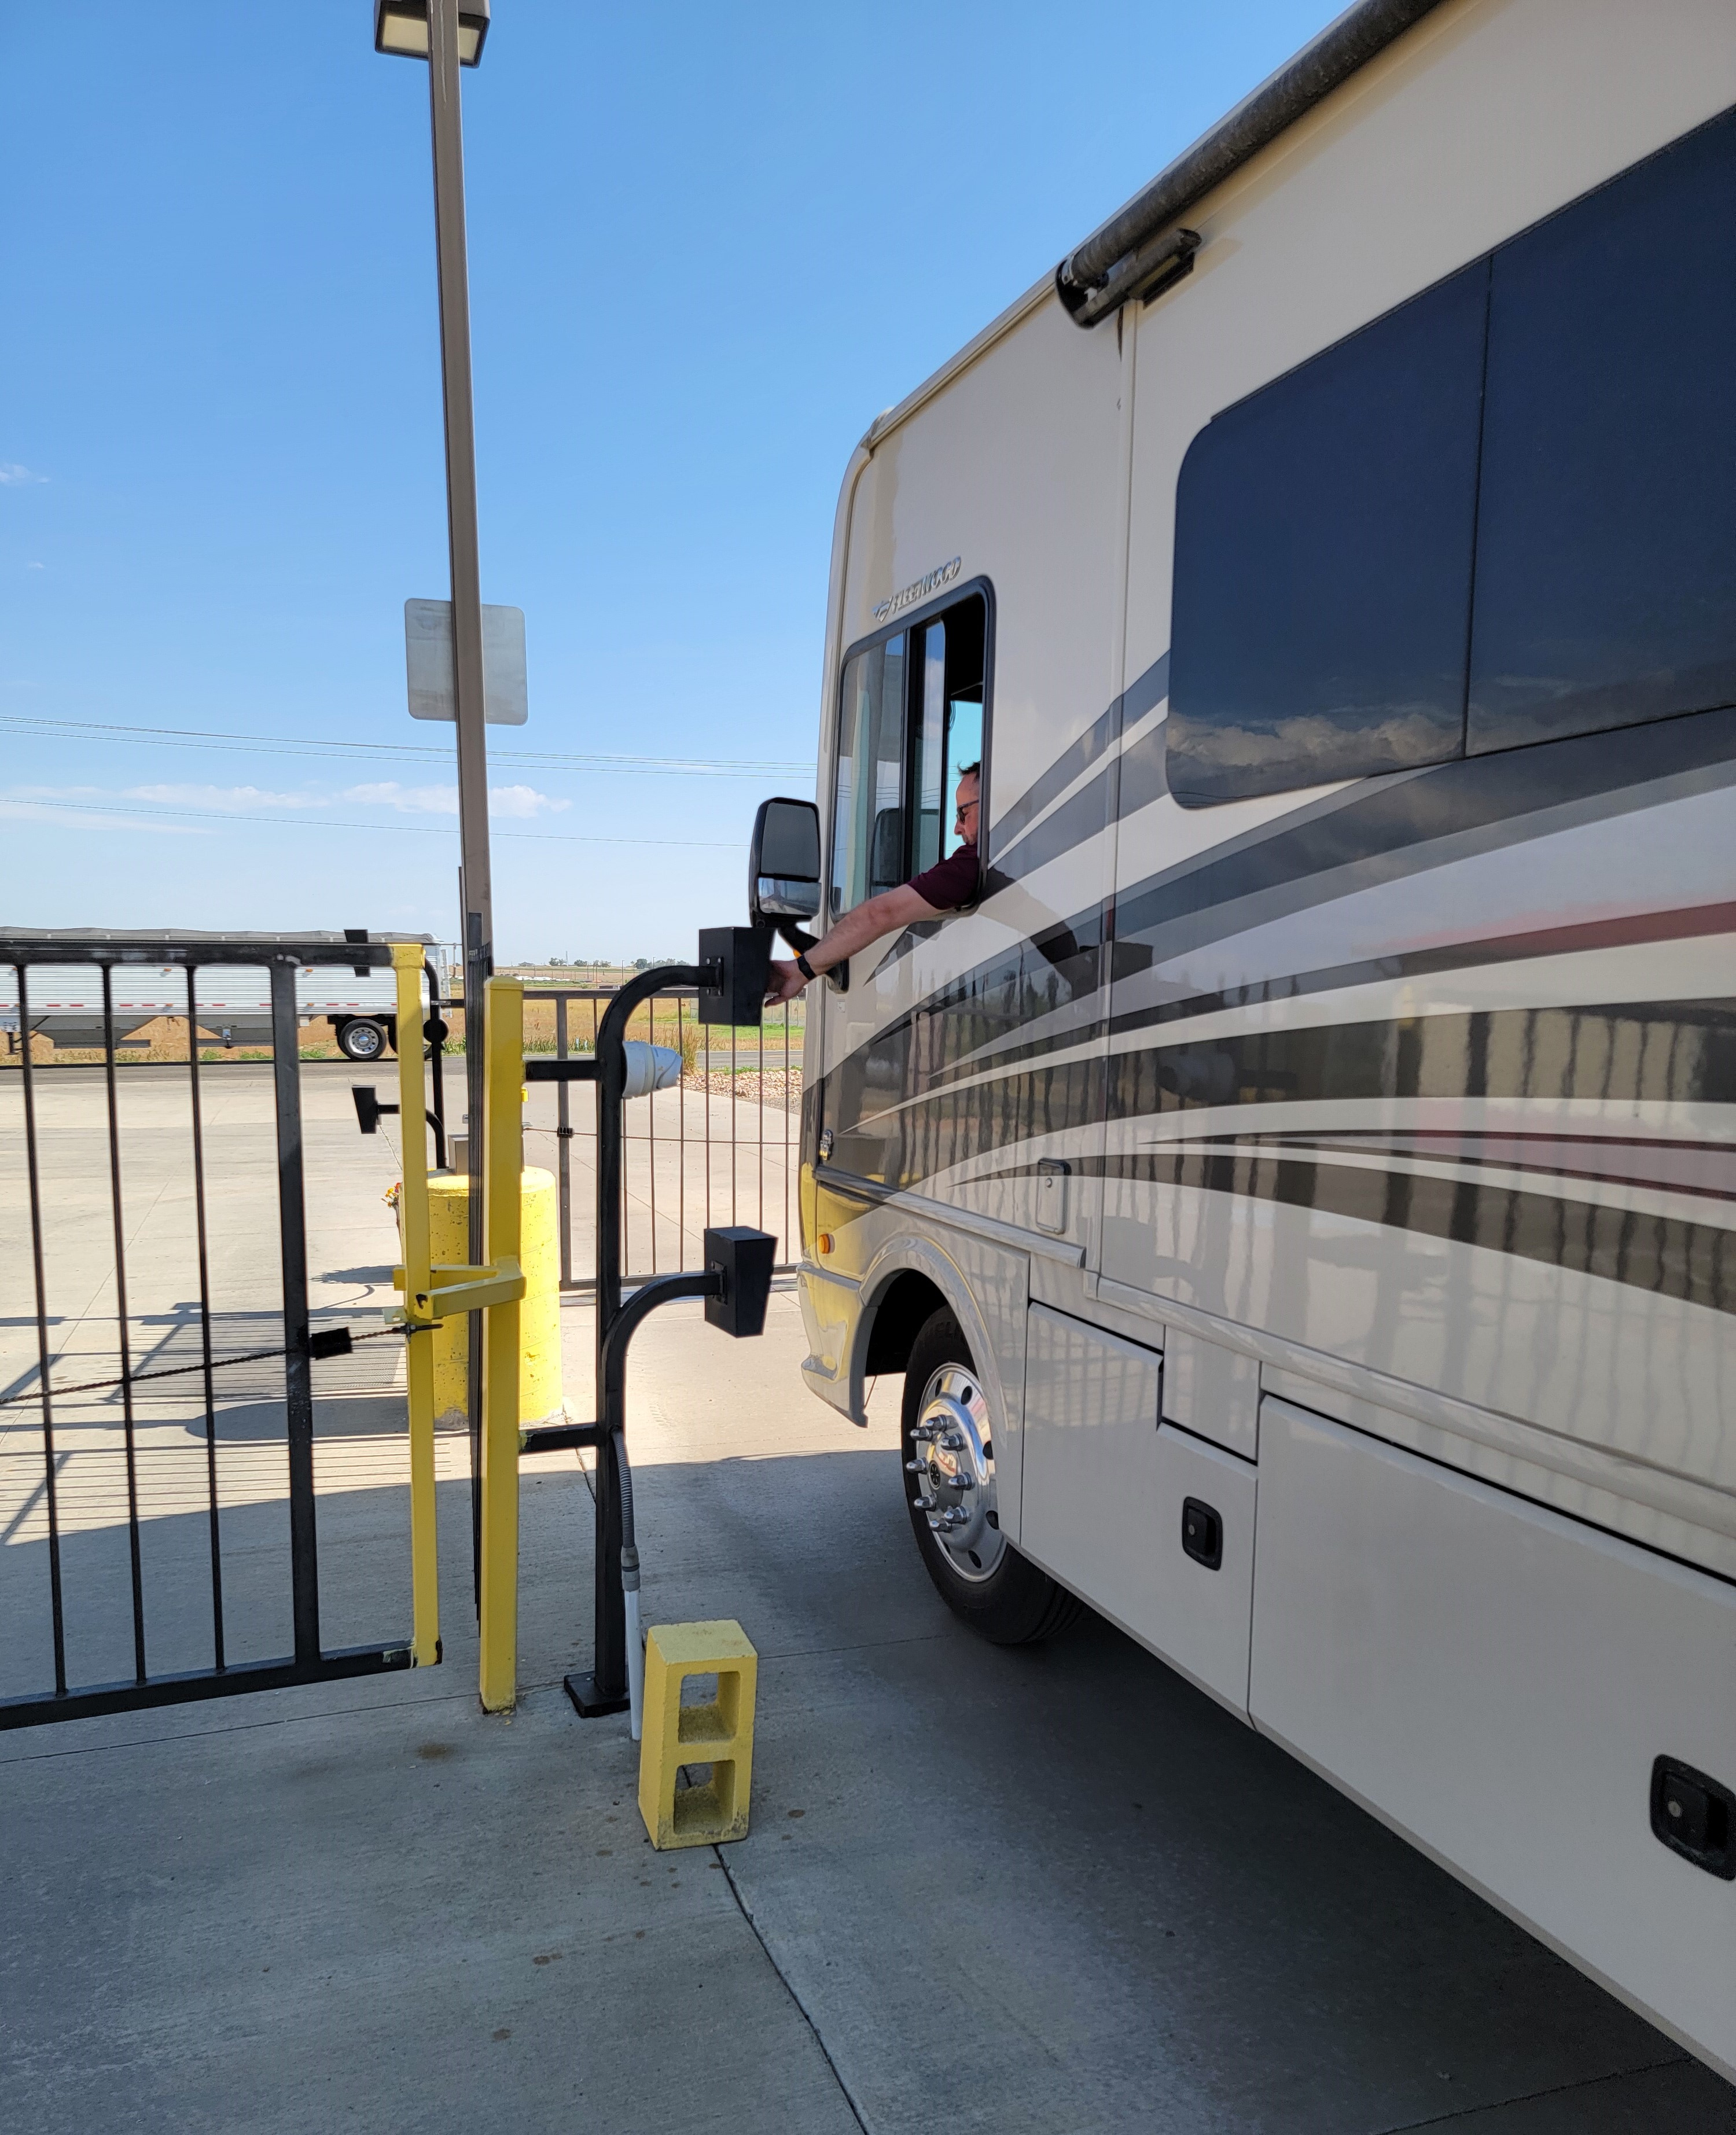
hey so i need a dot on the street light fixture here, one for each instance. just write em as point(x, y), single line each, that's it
point(401, 29)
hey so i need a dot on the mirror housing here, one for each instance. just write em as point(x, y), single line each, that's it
point(784, 870)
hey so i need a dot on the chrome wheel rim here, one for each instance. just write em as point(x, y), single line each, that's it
point(952, 1464)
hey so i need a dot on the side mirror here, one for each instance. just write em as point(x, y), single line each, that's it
point(783, 868)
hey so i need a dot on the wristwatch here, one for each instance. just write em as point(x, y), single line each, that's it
point(804, 967)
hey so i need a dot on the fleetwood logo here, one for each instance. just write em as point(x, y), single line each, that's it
point(920, 592)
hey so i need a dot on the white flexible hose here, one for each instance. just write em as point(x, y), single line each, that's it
point(650, 1067)
point(635, 1662)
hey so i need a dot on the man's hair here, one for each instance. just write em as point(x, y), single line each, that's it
point(970, 770)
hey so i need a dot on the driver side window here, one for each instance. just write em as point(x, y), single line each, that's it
point(912, 711)
point(868, 804)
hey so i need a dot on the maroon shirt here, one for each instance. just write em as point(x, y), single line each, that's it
point(949, 883)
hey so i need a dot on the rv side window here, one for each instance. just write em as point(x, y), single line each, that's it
point(1322, 582)
point(1606, 521)
point(1571, 398)
point(910, 715)
point(949, 726)
point(868, 801)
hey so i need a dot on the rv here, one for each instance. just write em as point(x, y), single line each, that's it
point(1298, 1193)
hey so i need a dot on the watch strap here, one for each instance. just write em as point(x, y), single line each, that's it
point(804, 967)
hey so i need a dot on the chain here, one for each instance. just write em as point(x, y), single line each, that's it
point(180, 1371)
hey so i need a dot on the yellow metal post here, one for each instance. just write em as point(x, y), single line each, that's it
point(413, 1216)
point(503, 1165)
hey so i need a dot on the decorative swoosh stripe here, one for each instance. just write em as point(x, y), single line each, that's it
point(1694, 1262)
point(1380, 831)
point(1665, 1254)
point(1626, 930)
point(1702, 1170)
point(1134, 702)
point(1385, 829)
point(1624, 1053)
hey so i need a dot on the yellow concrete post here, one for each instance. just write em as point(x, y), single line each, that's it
point(413, 1218)
point(539, 1359)
point(502, 1166)
point(720, 1733)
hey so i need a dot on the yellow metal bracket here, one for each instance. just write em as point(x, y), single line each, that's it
point(468, 1290)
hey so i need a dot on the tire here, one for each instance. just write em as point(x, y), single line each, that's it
point(948, 1432)
point(362, 1038)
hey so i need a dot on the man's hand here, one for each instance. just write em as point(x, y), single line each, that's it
point(784, 983)
point(891, 909)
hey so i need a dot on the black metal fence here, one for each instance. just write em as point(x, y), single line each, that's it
point(720, 1147)
point(83, 1228)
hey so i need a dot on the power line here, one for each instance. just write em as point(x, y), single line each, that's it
point(371, 752)
point(334, 823)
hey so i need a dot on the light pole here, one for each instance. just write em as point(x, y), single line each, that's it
point(449, 34)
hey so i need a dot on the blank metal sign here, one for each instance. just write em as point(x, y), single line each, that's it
point(428, 663)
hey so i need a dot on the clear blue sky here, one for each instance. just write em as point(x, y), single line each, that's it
point(707, 246)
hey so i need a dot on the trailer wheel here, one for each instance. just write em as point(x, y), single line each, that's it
point(950, 1492)
point(362, 1038)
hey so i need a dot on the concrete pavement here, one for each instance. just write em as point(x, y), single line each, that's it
point(1056, 1890)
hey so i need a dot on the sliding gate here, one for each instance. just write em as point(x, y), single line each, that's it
point(163, 1483)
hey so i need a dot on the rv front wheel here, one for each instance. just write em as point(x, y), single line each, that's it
point(950, 1491)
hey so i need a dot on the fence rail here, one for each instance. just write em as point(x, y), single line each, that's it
point(720, 1147)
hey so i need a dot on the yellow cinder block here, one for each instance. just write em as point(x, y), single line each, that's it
point(720, 1733)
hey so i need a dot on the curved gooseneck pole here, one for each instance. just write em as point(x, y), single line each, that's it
point(607, 1689)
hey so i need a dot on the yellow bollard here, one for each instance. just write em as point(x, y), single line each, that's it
point(540, 1388)
point(720, 1733)
point(503, 1168)
point(413, 1227)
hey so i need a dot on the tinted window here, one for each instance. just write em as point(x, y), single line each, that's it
point(910, 714)
point(949, 726)
point(868, 806)
point(1605, 575)
point(1322, 581)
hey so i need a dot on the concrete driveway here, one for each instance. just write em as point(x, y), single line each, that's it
point(1047, 1891)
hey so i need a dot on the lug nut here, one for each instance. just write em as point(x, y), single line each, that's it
point(926, 1504)
point(962, 1481)
point(914, 1467)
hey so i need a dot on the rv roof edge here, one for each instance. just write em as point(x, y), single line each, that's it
point(885, 423)
point(1342, 49)
point(1346, 45)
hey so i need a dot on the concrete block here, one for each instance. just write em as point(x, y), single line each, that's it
point(720, 1733)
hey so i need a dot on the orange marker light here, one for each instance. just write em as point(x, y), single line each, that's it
point(825, 1242)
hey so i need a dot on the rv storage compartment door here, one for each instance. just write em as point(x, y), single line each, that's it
point(1499, 1680)
point(1153, 1527)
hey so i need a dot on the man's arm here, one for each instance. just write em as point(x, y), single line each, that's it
point(883, 914)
